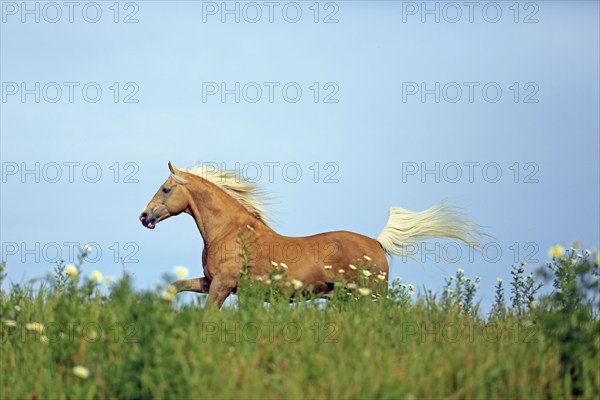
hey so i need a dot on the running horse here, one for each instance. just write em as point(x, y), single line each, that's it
point(225, 206)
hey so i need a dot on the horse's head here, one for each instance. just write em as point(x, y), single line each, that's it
point(172, 198)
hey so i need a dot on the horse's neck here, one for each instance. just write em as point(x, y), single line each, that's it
point(215, 212)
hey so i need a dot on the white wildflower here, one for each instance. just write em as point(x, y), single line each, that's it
point(181, 272)
point(34, 326)
point(297, 284)
point(71, 271)
point(96, 276)
point(81, 372)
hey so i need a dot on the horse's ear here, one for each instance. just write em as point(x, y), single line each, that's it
point(172, 168)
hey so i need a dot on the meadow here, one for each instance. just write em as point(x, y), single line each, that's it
point(76, 335)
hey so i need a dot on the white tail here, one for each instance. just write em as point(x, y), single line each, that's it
point(405, 227)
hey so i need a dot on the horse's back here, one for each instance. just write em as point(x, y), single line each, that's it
point(344, 247)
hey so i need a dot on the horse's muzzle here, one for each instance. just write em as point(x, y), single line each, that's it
point(149, 223)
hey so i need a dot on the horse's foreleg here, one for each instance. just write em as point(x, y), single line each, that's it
point(198, 285)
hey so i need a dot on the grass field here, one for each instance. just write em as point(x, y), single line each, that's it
point(76, 337)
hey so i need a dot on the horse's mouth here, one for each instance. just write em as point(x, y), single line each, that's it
point(150, 220)
point(149, 223)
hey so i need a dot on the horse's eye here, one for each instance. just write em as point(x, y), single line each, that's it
point(166, 190)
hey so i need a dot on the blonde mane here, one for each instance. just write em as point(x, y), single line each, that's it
point(235, 185)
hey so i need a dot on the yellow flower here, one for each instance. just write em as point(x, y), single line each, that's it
point(17, 308)
point(71, 271)
point(297, 284)
point(81, 372)
point(364, 291)
point(556, 251)
point(87, 248)
point(381, 277)
point(460, 270)
point(499, 280)
point(367, 258)
point(169, 294)
point(181, 272)
point(96, 276)
point(352, 266)
point(463, 278)
point(367, 273)
point(34, 326)
point(563, 259)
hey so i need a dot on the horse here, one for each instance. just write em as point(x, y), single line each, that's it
point(227, 208)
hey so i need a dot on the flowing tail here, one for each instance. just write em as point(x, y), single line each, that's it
point(405, 227)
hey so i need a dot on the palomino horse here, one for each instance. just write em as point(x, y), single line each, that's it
point(226, 207)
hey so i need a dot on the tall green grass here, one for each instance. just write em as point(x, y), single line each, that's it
point(76, 338)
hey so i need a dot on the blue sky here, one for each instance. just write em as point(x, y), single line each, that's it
point(541, 132)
